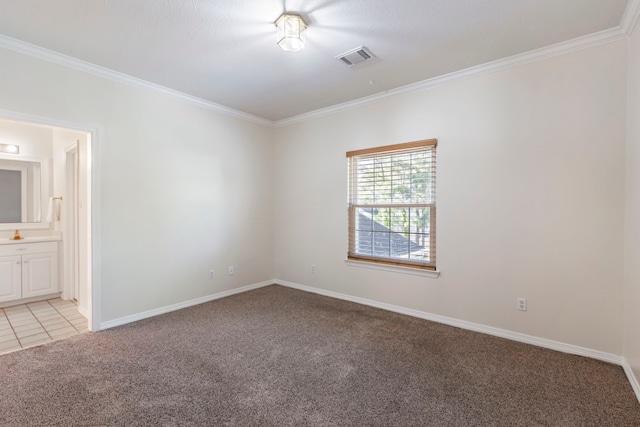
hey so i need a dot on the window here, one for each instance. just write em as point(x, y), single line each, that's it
point(392, 204)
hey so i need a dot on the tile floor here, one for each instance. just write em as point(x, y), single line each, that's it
point(36, 323)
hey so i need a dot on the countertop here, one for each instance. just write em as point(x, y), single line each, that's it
point(35, 239)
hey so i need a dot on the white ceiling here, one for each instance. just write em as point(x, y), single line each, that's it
point(224, 51)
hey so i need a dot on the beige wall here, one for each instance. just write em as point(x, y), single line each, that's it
point(632, 223)
point(530, 198)
point(530, 194)
point(182, 189)
point(34, 141)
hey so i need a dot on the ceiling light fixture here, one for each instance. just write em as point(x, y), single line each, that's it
point(291, 32)
point(9, 148)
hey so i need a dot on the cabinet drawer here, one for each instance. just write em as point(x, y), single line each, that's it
point(28, 248)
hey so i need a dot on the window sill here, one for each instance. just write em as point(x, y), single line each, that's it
point(393, 268)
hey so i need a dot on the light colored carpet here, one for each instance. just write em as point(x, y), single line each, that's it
point(281, 357)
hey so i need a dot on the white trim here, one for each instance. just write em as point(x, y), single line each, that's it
point(83, 311)
point(96, 70)
point(622, 31)
point(630, 17)
point(96, 285)
point(40, 120)
point(632, 378)
point(30, 299)
point(69, 203)
point(514, 336)
point(562, 48)
point(173, 307)
point(463, 324)
point(393, 268)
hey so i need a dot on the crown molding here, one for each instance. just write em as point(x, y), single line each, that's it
point(38, 52)
point(623, 31)
point(630, 17)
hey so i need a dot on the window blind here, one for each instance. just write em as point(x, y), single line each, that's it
point(392, 204)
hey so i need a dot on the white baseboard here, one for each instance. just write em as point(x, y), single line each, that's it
point(632, 378)
point(515, 336)
point(173, 307)
point(463, 324)
point(489, 330)
point(28, 300)
point(82, 310)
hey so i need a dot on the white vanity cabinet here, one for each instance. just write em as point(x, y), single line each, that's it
point(10, 277)
point(28, 270)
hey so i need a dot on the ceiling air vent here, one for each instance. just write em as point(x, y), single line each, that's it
point(355, 56)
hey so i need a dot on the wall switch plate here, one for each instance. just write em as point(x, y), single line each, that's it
point(231, 271)
point(211, 274)
point(522, 304)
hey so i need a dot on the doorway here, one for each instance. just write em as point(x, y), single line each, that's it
point(73, 174)
point(71, 166)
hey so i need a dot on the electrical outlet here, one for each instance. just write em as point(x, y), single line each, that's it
point(211, 274)
point(522, 304)
point(231, 271)
point(313, 268)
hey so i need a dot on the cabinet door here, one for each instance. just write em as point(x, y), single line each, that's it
point(39, 274)
point(10, 282)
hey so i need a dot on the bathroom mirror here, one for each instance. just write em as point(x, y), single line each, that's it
point(21, 192)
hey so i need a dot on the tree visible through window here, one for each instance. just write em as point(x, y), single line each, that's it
point(392, 204)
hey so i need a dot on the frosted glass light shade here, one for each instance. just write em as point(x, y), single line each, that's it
point(291, 32)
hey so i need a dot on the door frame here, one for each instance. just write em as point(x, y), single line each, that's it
point(94, 295)
point(70, 242)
